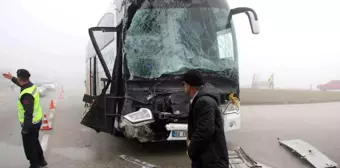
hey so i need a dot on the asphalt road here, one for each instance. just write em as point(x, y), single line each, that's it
point(71, 145)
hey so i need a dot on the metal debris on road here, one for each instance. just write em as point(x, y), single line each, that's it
point(239, 159)
point(309, 153)
point(137, 162)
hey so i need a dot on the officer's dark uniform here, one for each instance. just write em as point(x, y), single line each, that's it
point(30, 131)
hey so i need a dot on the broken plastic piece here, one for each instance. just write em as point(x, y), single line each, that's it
point(234, 99)
point(137, 162)
point(309, 153)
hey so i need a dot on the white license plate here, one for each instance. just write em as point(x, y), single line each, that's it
point(179, 133)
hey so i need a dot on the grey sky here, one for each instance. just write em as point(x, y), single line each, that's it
point(47, 35)
point(297, 40)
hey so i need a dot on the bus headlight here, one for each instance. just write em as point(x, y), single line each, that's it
point(229, 108)
point(143, 114)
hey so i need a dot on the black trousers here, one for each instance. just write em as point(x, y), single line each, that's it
point(196, 165)
point(32, 147)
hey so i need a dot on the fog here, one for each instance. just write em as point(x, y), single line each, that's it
point(48, 37)
point(297, 41)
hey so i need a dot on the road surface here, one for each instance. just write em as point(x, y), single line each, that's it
point(71, 145)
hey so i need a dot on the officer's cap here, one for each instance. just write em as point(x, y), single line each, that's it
point(23, 73)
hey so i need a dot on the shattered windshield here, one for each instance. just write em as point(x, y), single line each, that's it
point(172, 40)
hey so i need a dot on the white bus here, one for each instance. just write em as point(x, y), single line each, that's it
point(137, 55)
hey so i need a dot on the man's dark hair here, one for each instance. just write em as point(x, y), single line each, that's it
point(193, 78)
point(23, 74)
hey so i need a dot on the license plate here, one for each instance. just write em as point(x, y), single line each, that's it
point(179, 133)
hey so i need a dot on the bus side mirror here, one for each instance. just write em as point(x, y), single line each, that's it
point(252, 16)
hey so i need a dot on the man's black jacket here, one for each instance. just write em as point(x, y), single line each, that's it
point(208, 145)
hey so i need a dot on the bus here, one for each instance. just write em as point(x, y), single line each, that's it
point(139, 51)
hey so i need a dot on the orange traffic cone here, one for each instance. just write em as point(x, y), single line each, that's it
point(61, 96)
point(52, 107)
point(45, 124)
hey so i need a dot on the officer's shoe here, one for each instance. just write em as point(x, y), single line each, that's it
point(43, 163)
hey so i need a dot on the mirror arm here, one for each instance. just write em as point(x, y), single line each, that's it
point(96, 47)
point(104, 29)
point(106, 86)
point(242, 10)
point(238, 11)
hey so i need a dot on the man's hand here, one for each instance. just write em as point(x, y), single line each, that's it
point(7, 75)
point(188, 143)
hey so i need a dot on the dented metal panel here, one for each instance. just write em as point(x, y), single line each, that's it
point(237, 159)
point(309, 153)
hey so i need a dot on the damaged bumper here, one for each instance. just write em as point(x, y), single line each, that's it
point(172, 132)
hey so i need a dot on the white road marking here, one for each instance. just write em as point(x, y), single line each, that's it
point(51, 115)
point(44, 142)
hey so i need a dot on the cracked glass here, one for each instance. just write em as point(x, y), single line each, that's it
point(173, 40)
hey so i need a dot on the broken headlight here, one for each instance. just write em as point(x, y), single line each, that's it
point(143, 114)
point(229, 108)
point(136, 125)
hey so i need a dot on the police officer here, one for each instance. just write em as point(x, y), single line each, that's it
point(30, 115)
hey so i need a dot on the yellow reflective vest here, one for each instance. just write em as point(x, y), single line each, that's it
point(37, 113)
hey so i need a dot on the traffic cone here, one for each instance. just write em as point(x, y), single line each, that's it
point(52, 106)
point(60, 96)
point(45, 124)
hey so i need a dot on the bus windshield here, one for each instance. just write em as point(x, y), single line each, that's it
point(172, 40)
